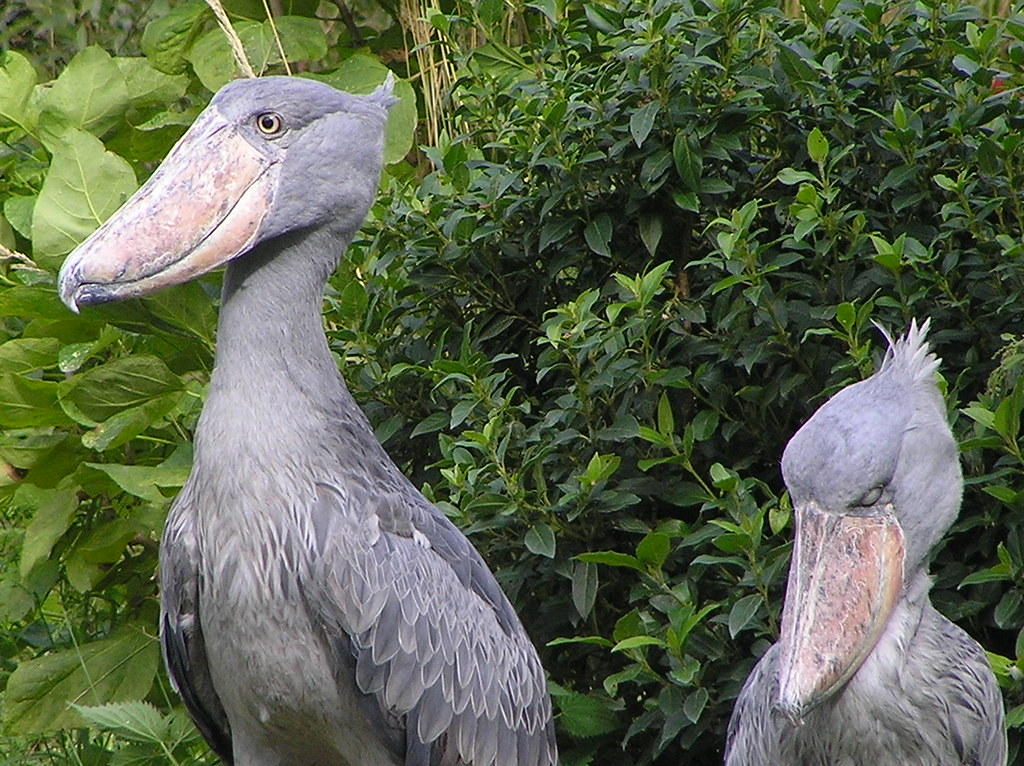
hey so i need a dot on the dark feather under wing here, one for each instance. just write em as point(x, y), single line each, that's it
point(181, 634)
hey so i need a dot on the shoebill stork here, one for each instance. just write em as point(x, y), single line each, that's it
point(317, 610)
point(866, 671)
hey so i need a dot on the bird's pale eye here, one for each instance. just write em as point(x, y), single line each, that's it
point(870, 497)
point(269, 123)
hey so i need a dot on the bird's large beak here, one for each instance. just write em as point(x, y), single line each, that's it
point(844, 581)
point(201, 208)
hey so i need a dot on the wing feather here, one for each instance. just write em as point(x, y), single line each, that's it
point(435, 640)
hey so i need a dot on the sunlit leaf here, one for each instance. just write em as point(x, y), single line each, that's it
point(90, 94)
point(17, 79)
point(84, 185)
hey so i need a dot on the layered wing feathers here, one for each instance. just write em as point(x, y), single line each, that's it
point(435, 640)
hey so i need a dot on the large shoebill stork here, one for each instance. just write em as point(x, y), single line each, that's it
point(866, 671)
point(317, 610)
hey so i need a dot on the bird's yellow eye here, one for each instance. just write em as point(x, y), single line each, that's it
point(269, 123)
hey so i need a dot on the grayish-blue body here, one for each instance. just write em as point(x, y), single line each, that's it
point(867, 672)
point(316, 609)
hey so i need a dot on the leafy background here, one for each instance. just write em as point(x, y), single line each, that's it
point(621, 252)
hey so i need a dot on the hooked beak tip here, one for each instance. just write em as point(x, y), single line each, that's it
point(68, 284)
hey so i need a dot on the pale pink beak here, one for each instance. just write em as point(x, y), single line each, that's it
point(201, 208)
point(844, 581)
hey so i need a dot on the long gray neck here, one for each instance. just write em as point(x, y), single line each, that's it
point(275, 382)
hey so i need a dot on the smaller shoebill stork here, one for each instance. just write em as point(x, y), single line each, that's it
point(866, 671)
point(316, 609)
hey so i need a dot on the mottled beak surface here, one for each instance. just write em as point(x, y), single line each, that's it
point(844, 581)
point(201, 208)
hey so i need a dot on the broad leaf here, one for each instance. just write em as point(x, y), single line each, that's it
point(90, 94)
point(148, 85)
point(135, 721)
point(17, 79)
point(144, 481)
point(40, 691)
point(540, 539)
point(84, 185)
point(167, 40)
point(102, 392)
point(54, 510)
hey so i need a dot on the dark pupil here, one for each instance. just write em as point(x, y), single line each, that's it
point(268, 122)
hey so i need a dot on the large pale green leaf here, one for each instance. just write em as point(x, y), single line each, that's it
point(84, 185)
point(19, 595)
point(17, 79)
point(102, 392)
point(127, 424)
point(27, 402)
point(18, 211)
point(302, 38)
point(143, 480)
point(53, 512)
point(211, 56)
point(361, 74)
point(114, 669)
point(90, 94)
point(30, 302)
point(23, 355)
point(148, 85)
point(25, 447)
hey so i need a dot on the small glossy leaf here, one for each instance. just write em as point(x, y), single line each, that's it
point(742, 613)
point(817, 146)
point(584, 587)
point(585, 716)
point(598, 234)
point(612, 558)
point(540, 539)
point(695, 704)
point(654, 549)
point(642, 121)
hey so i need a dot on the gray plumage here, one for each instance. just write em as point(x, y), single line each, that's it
point(924, 694)
point(317, 610)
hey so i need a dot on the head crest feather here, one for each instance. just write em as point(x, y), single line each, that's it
point(910, 356)
point(384, 94)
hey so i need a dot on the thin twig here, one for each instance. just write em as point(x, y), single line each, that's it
point(233, 39)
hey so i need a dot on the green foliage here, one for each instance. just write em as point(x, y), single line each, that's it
point(586, 325)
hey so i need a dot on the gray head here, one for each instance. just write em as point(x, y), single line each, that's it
point(267, 157)
point(883, 441)
point(875, 480)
